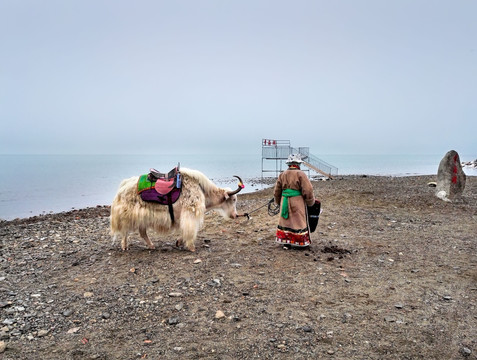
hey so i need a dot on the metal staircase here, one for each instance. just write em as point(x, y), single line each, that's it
point(279, 150)
point(320, 166)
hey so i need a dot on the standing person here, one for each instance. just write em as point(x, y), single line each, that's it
point(293, 191)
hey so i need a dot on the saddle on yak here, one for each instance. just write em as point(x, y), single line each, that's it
point(160, 188)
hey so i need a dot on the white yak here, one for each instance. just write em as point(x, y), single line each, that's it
point(130, 213)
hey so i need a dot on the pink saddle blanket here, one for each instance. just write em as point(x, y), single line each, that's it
point(164, 186)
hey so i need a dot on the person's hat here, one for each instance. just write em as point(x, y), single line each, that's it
point(294, 159)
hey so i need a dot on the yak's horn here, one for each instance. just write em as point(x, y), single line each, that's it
point(240, 186)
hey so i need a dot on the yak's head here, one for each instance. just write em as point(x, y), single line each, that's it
point(228, 206)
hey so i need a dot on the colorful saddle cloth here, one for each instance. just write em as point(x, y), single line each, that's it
point(164, 190)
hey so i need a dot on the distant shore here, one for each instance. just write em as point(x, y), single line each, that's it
point(253, 185)
point(97, 177)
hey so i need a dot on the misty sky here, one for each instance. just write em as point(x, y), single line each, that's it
point(152, 76)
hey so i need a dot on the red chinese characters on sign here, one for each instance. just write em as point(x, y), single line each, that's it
point(267, 142)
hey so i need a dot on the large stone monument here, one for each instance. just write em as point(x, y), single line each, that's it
point(450, 177)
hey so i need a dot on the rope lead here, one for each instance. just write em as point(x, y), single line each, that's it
point(273, 209)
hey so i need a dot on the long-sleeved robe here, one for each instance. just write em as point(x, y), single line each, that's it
point(294, 230)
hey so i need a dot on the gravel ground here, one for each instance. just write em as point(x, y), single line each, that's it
point(391, 274)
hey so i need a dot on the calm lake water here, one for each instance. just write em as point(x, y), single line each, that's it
point(38, 184)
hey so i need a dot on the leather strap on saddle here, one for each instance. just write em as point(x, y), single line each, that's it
point(169, 206)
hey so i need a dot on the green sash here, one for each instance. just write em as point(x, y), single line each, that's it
point(286, 194)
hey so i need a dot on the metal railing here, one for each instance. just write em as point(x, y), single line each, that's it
point(275, 152)
point(326, 168)
point(279, 150)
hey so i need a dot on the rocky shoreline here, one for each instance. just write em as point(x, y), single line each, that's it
point(391, 273)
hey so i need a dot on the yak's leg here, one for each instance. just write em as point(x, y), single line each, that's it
point(189, 228)
point(142, 232)
point(124, 241)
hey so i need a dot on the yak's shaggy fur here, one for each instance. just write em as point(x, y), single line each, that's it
point(130, 213)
